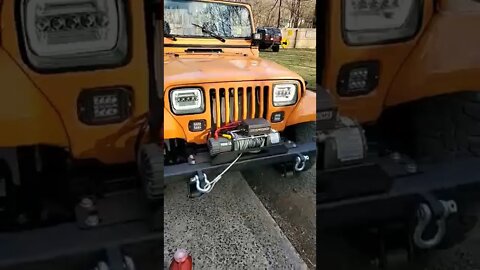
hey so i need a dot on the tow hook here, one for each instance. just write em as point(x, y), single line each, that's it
point(441, 211)
point(193, 191)
point(199, 184)
point(300, 163)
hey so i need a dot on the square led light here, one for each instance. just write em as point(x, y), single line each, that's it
point(277, 117)
point(104, 106)
point(90, 32)
point(358, 78)
point(187, 100)
point(380, 21)
point(197, 125)
point(284, 94)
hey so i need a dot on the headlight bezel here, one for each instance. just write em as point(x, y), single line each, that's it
point(415, 17)
point(294, 101)
point(120, 56)
point(200, 110)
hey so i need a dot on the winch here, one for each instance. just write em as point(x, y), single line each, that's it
point(249, 135)
point(344, 145)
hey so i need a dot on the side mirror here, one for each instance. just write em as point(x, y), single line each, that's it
point(257, 37)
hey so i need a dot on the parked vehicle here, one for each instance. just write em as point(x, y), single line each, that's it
point(271, 38)
point(225, 107)
point(404, 146)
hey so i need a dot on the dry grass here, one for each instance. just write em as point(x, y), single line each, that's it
point(302, 61)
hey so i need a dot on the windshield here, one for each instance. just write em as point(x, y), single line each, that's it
point(185, 18)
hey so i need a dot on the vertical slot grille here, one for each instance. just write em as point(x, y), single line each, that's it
point(235, 104)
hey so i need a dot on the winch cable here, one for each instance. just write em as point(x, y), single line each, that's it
point(240, 144)
point(210, 185)
point(244, 143)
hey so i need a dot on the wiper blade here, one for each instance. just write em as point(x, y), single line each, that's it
point(211, 33)
point(170, 36)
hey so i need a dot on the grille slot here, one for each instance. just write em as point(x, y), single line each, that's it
point(235, 104)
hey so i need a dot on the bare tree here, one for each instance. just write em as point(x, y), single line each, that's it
point(293, 13)
point(300, 12)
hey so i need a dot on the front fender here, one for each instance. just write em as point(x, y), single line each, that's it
point(446, 59)
point(26, 115)
point(171, 128)
point(305, 111)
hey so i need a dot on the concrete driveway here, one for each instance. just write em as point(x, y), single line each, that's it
point(228, 228)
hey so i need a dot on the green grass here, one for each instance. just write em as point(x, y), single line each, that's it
point(302, 61)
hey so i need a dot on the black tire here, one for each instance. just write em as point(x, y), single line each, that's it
point(150, 162)
point(305, 133)
point(276, 48)
point(448, 126)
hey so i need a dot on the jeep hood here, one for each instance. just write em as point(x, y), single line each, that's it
point(182, 69)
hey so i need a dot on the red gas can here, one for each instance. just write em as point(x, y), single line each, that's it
point(181, 260)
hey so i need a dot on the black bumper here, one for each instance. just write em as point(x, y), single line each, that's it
point(458, 180)
point(124, 224)
point(179, 172)
point(67, 240)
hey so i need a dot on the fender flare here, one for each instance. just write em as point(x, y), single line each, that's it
point(305, 111)
point(171, 128)
point(26, 116)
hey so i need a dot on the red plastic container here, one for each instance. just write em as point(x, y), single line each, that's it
point(181, 260)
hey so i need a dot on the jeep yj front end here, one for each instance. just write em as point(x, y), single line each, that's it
point(224, 105)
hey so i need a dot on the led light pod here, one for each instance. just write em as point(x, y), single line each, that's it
point(104, 105)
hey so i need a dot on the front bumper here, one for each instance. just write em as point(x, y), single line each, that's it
point(392, 196)
point(122, 225)
point(179, 172)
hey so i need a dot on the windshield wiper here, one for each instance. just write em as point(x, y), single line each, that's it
point(211, 33)
point(170, 36)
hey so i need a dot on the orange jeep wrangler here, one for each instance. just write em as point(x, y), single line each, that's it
point(224, 106)
point(403, 76)
point(74, 112)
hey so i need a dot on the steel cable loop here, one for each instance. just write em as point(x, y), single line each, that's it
point(210, 185)
point(240, 143)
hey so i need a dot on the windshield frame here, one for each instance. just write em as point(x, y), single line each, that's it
point(245, 5)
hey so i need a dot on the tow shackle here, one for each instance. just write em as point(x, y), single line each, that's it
point(425, 216)
point(300, 162)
